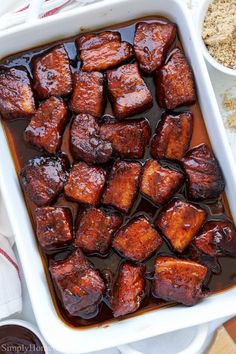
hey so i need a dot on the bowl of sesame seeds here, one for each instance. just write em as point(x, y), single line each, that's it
point(216, 23)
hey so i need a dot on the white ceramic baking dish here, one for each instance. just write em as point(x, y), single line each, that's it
point(58, 334)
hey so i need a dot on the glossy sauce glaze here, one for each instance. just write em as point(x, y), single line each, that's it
point(18, 339)
point(109, 264)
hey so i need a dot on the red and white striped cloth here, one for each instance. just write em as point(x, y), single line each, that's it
point(15, 12)
point(10, 285)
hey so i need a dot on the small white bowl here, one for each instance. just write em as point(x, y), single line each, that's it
point(201, 11)
point(29, 326)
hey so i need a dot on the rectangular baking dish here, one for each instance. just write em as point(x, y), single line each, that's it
point(58, 334)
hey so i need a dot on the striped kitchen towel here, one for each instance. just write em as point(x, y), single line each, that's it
point(10, 285)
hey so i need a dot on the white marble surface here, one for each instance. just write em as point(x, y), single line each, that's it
point(176, 341)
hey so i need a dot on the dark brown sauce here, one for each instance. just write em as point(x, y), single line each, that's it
point(18, 339)
point(22, 153)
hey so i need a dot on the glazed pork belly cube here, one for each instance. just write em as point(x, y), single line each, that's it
point(96, 40)
point(43, 178)
point(52, 74)
point(54, 227)
point(160, 183)
point(227, 242)
point(151, 43)
point(85, 140)
point(128, 139)
point(128, 290)
point(175, 82)
point(16, 95)
point(80, 285)
point(217, 238)
point(180, 222)
point(103, 50)
point(173, 136)
point(122, 185)
point(88, 94)
point(138, 240)
point(206, 241)
point(85, 183)
point(205, 179)
point(179, 280)
point(128, 92)
point(95, 230)
point(47, 125)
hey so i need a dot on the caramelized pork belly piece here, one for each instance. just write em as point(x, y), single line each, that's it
point(128, 92)
point(54, 227)
point(138, 240)
point(205, 179)
point(180, 222)
point(179, 280)
point(47, 125)
point(160, 183)
point(122, 185)
point(206, 241)
point(128, 139)
point(103, 50)
point(95, 230)
point(43, 178)
point(173, 135)
point(106, 56)
point(16, 95)
point(128, 290)
point(88, 94)
point(218, 238)
point(85, 183)
point(227, 242)
point(151, 43)
point(175, 82)
point(96, 40)
point(80, 285)
point(52, 74)
point(86, 142)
